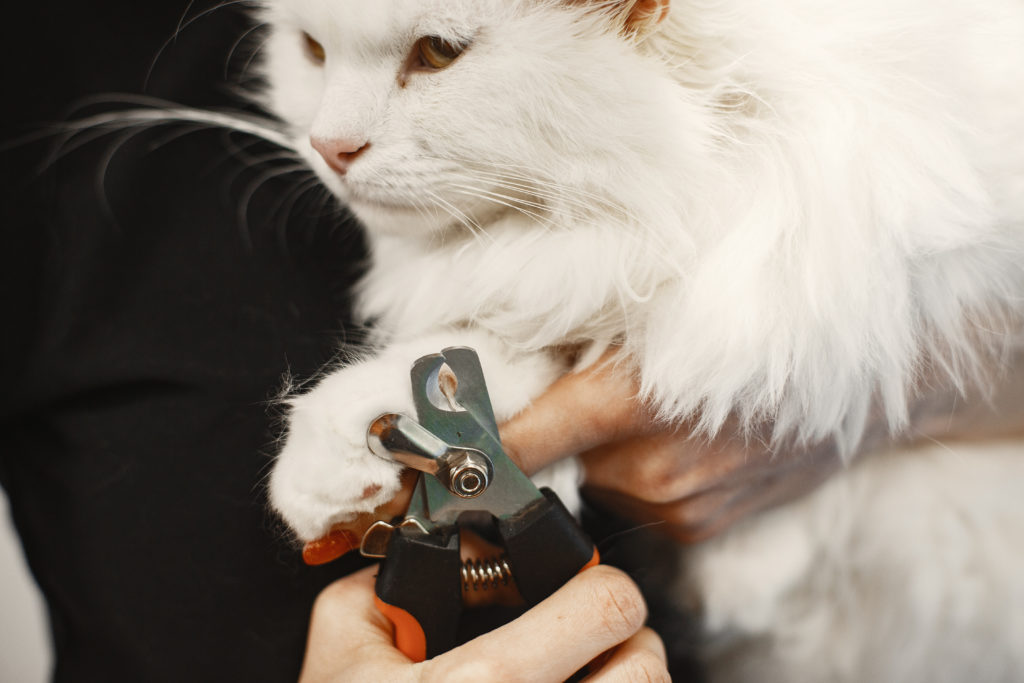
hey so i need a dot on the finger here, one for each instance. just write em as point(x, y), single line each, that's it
point(774, 489)
point(706, 514)
point(346, 629)
point(664, 467)
point(595, 611)
point(689, 520)
point(641, 658)
point(673, 465)
point(579, 411)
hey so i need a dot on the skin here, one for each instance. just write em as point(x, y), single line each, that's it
point(649, 471)
point(645, 470)
point(696, 488)
point(596, 619)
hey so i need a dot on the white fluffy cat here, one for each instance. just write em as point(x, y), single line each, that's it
point(785, 211)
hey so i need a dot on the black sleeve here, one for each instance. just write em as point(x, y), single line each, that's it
point(148, 329)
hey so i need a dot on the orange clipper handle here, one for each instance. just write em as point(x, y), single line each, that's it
point(419, 589)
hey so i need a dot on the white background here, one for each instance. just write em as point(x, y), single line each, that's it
point(24, 633)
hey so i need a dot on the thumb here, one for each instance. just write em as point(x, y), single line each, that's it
point(346, 631)
point(580, 411)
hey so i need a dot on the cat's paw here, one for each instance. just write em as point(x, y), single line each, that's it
point(325, 473)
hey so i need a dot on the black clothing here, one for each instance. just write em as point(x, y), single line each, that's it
point(147, 332)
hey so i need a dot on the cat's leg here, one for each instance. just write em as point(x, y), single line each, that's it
point(325, 473)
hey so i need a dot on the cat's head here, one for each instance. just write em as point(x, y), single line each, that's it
point(423, 115)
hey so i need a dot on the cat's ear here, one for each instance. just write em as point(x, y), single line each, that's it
point(643, 15)
point(633, 17)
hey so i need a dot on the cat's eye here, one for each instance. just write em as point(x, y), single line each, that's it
point(314, 50)
point(433, 53)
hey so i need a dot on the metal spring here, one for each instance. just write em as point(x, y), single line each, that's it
point(486, 574)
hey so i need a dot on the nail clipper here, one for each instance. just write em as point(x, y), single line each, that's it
point(466, 480)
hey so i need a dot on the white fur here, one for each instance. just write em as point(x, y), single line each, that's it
point(875, 577)
point(785, 210)
point(325, 474)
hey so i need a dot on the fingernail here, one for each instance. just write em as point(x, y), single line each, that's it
point(330, 547)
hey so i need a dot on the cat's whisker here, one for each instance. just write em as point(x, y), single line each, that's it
point(282, 209)
point(506, 201)
point(468, 221)
point(514, 172)
point(126, 134)
point(238, 42)
point(252, 56)
point(389, 181)
point(155, 112)
point(328, 206)
point(250, 191)
point(556, 189)
point(540, 221)
point(550, 221)
point(585, 215)
point(104, 168)
point(182, 25)
point(171, 135)
point(518, 177)
point(557, 200)
point(76, 134)
point(421, 206)
point(87, 131)
point(547, 199)
point(70, 142)
point(280, 159)
point(513, 197)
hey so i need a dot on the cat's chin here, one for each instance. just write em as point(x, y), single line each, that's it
point(391, 219)
point(384, 219)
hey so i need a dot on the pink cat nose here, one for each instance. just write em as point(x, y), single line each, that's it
point(339, 153)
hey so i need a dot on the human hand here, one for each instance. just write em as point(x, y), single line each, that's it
point(646, 470)
point(650, 471)
point(635, 464)
point(596, 618)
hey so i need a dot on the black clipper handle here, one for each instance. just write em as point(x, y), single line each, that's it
point(419, 589)
point(545, 547)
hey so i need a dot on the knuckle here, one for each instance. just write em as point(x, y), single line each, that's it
point(688, 517)
point(333, 592)
point(466, 671)
point(662, 490)
point(692, 535)
point(661, 480)
point(695, 518)
point(621, 606)
point(644, 665)
point(329, 597)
